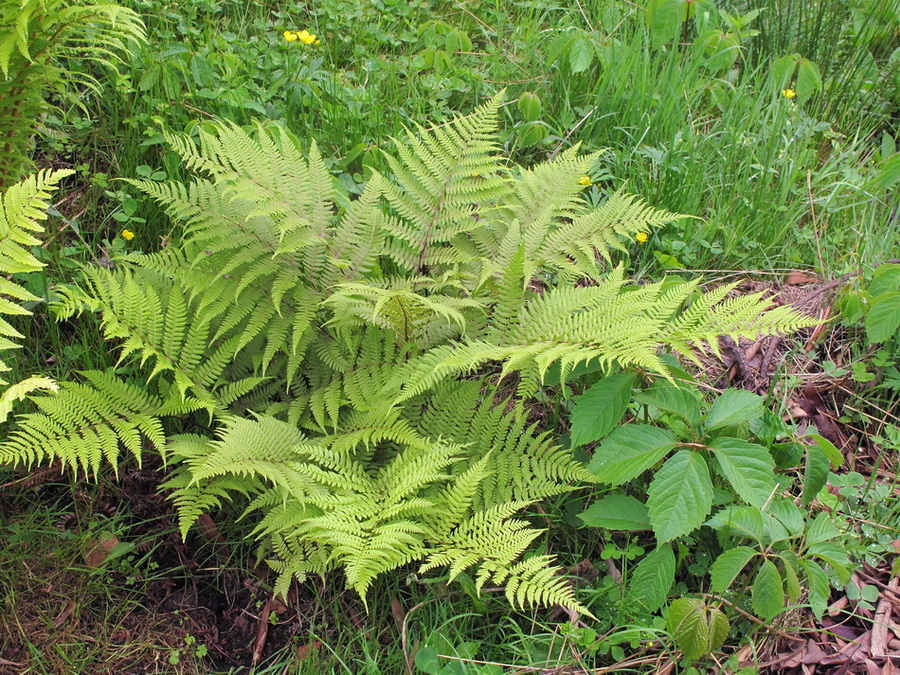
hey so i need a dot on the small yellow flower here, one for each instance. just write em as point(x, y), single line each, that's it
point(641, 237)
point(127, 235)
point(306, 37)
point(289, 35)
point(584, 180)
point(317, 42)
point(788, 93)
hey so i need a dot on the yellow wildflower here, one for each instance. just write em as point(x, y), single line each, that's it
point(127, 235)
point(585, 180)
point(642, 237)
point(788, 93)
point(317, 42)
point(306, 37)
point(289, 35)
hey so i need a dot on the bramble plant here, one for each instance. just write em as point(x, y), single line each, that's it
point(367, 363)
point(739, 456)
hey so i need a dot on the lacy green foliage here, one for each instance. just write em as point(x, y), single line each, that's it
point(345, 348)
point(22, 209)
point(34, 35)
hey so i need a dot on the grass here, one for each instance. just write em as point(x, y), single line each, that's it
point(774, 183)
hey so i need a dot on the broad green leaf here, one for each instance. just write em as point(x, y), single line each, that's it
point(748, 467)
point(819, 588)
point(883, 318)
point(529, 106)
point(427, 660)
point(889, 174)
point(696, 627)
point(734, 406)
point(814, 474)
point(834, 455)
point(809, 80)
point(740, 521)
point(629, 451)
point(783, 70)
point(727, 566)
point(598, 410)
point(791, 582)
point(617, 512)
point(822, 529)
point(652, 579)
point(835, 555)
point(680, 496)
point(767, 592)
point(886, 279)
point(788, 514)
point(680, 400)
point(664, 19)
point(581, 54)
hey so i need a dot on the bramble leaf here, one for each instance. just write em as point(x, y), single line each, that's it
point(680, 496)
point(598, 410)
point(629, 451)
point(617, 512)
point(748, 467)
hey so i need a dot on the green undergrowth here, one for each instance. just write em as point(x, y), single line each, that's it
point(341, 349)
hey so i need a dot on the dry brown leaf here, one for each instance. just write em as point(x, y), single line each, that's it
point(304, 650)
point(64, 614)
point(97, 550)
point(796, 277)
point(880, 632)
point(398, 611)
point(210, 530)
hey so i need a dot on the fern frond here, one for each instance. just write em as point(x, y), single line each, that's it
point(84, 424)
point(23, 207)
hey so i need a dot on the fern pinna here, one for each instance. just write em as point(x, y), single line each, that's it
point(344, 347)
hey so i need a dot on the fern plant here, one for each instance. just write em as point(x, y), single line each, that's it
point(22, 208)
point(367, 363)
point(35, 35)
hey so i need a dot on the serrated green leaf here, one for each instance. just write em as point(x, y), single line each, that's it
point(681, 400)
point(680, 496)
point(835, 555)
point(718, 628)
point(427, 660)
point(783, 70)
point(767, 592)
point(748, 467)
point(696, 627)
point(822, 529)
point(652, 579)
point(664, 19)
point(581, 54)
point(727, 566)
point(815, 473)
point(740, 521)
point(885, 279)
point(733, 407)
point(617, 512)
point(834, 455)
point(629, 451)
point(791, 581)
point(819, 588)
point(788, 515)
point(809, 80)
point(600, 408)
point(883, 318)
